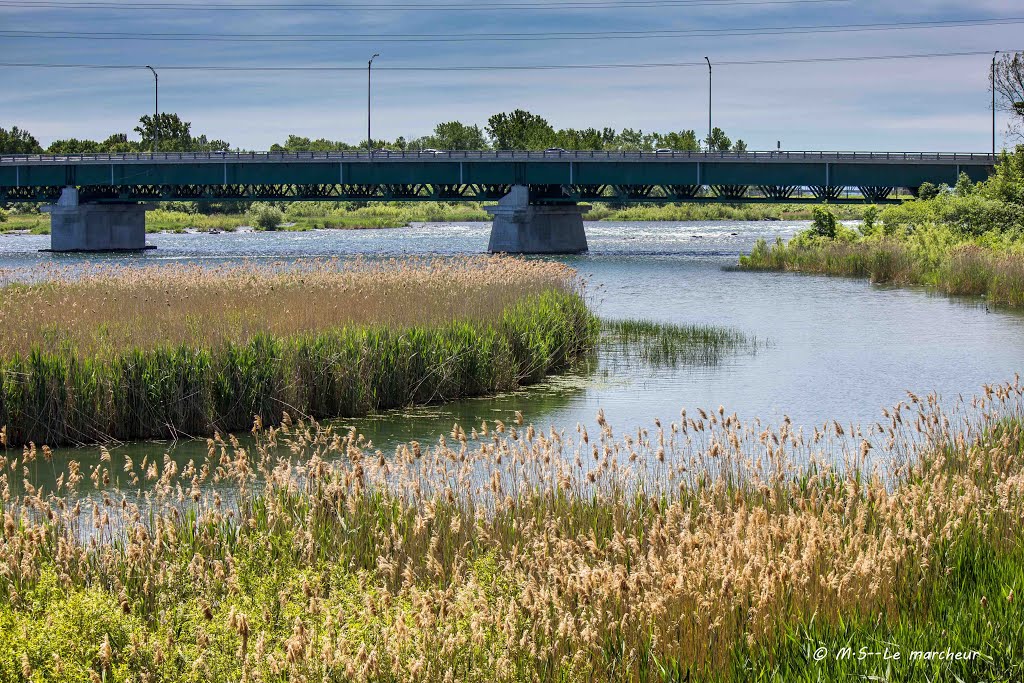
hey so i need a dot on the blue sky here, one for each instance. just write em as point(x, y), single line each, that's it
point(939, 104)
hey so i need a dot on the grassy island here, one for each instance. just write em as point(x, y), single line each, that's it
point(704, 549)
point(124, 353)
point(966, 240)
point(181, 216)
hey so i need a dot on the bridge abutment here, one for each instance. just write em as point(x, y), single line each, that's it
point(520, 227)
point(96, 227)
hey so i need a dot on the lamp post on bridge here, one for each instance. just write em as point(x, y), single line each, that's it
point(709, 102)
point(156, 108)
point(994, 54)
point(369, 82)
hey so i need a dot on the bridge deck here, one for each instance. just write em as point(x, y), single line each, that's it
point(553, 176)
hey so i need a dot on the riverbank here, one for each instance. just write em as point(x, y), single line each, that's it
point(99, 354)
point(320, 215)
point(706, 549)
point(967, 240)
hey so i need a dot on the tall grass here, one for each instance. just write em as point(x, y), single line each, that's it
point(959, 269)
point(168, 352)
point(701, 549)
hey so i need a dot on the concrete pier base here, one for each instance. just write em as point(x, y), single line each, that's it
point(96, 227)
point(523, 228)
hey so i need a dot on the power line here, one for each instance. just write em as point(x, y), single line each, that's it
point(470, 37)
point(508, 67)
point(399, 7)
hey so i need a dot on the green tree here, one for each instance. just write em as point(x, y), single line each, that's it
point(296, 143)
point(202, 144)
point(75, 146)
point(459, 136)
point(586, 139)
point(630, 140)
point(739, 146)
point(1009, 84)
point(18, 141)
point(118, 143)
point(520, 130)
point(683, 141)
point(718, 141)
point(175, 135)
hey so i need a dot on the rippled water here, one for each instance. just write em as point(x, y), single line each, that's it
point(835, 348)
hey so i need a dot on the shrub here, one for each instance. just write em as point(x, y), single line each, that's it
point(870, 224)
point(927, 191)
point(3, 216)
point(824, 222)
point(265, 216)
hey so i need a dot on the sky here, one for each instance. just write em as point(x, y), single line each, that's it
point(922, 104)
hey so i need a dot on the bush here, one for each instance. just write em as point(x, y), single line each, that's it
point(3, 216)
point(824, 222)
point(927, 191)
point(265, 216)
point(25, 209)
point(870, 224)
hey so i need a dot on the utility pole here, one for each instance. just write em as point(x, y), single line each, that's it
point(994, 102)
point(709, 102)
point(156, 109)
point(369, 82)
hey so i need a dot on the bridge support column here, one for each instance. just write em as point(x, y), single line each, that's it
point(523, 228)
point(96, 227)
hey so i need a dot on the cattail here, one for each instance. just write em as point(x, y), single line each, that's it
point(105, 653)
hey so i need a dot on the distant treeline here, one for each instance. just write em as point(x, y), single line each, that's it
point(515, 130)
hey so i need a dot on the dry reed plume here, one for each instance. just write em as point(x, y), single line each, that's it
point(102, 310)
point(702, 549)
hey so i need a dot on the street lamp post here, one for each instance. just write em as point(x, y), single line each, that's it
point(993, 75)
point(156, 109)
point(369, 72)
point(709, 102)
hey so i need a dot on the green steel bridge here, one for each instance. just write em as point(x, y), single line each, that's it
point(543, 185)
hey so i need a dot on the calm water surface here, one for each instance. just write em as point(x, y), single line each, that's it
point(836, 348)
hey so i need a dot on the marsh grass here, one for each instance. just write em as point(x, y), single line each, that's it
point(701, 549)
point(964, 269)
point(123, 353)
point(667, 344)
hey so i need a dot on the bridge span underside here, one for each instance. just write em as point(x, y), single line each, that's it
point(539, 190)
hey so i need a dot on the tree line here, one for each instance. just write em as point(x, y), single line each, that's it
point(518, 129)
point(521, 129)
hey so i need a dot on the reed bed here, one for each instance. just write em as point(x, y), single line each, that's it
point(125, 353)
point(963, 269)
point(702, 549)
point(667, 344)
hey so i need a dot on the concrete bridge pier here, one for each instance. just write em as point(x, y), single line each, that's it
point(96, 227)
point(523, 228)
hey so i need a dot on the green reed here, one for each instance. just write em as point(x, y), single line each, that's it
point(55, 397)
point(667, 344)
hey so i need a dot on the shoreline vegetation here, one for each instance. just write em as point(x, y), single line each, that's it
point(965, 240)
point(98, 354)
point(704, 549)
point(178, 217)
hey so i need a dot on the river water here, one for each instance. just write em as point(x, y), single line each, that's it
point(831, 348)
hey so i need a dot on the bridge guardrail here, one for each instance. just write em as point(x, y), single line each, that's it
point(509, 155)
